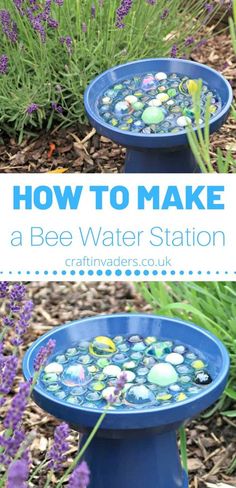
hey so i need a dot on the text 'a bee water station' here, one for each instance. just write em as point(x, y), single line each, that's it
point(147, 105)
point(173, 371)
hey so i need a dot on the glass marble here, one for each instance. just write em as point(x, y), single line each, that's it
point(159, 372)
point(143, 104)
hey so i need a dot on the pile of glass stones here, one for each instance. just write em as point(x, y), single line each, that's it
point(155, 103)
point(158, 372)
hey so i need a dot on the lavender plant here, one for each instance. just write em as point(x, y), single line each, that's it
point(15, 463)
point(51, 49)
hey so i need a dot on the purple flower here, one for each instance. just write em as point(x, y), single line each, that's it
point(165, 14)
point(3, 64)
point(67, 41)
point(18, 473)
point(151, 2)
point(52, 23)
point(57, 108)
point(80, 478)
point(11, 446)
point(122, 12)
point(209, 7)
point(93, 11)
point(84, 27)
point(16, 295)
point(15, 412)
point(59, 2)
point(43, 354)
point(57, 453)
point(23, 323)
point(4, 287)
point(119, 385)
point(9, 27)
point(33, 107)
point(189, 41)
point(8, 370)
point(174, 51)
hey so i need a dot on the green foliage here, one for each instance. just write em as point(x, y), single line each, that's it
point(46, 73)
point(211, 305)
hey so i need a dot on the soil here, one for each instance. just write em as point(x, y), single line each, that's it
point(79, 149)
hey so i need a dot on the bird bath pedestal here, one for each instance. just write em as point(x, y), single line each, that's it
point(157, 152)
point(134, 447)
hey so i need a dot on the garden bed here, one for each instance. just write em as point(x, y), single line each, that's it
point(211, 442)
point(80, 149)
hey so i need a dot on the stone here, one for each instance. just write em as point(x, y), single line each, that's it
point(130, 376)
point(97, 386)
point(53, 387)
point(181, 397)
point(153, 115)
point(74, 400)
point(139, 347)
point(139, 396)
point(102, 346)
point(129, 365)
point(163, 374)
point(162, 97)
point(53, 368)
point(202, 378)
point(134, 339)
point(61, 358)
point(112, 370)
point(122, 108)
point(75, 375)
point(131, 99)
point(160, 76)
point(83, 345)
point(93, 396)
point(174, 358)
point(103, 362)
point(183, 121)
point(142, 371)
point(50, 378)
point(179, 349)
point(150, 340)
point(164, 397)
point(198, 364)
point(71, 352)
point(120, 358)
point(138, 105)
point(155, 103)
point(175, 388)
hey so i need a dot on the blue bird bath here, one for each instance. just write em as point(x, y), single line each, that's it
point(163, 151)
point(135, 447)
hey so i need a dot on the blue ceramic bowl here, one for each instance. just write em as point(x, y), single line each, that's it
point(185, 68)
point(128, 324)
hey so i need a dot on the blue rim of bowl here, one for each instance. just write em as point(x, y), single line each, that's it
point(214, 385)
point(99, 120)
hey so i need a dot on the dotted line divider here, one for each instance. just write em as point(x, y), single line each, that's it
point(118, 272)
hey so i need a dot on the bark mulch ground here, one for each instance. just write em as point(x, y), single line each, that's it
point(80, 149)
point(211, 442)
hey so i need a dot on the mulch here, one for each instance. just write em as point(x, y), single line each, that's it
point(211, 442)
point(79, 149)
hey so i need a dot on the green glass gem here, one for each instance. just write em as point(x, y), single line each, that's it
point(50, 378)
point(138, 105)
point(171, 92)
point(162, 374)
point(138, 94)
point(153, 115)
point(97, 386)
point(118, 87)
point(72, 351)
point(114, 122)
point(53, 387)
point(103, 362)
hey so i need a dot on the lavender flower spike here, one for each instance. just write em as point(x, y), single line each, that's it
point(15, 412)
point(122, 12)
point(57, 453)
point(43, 354)
point(18, 474)
point(80, 477)
point(4, 287)
point(33, 107)
point(119, 385)
point(3, 64)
